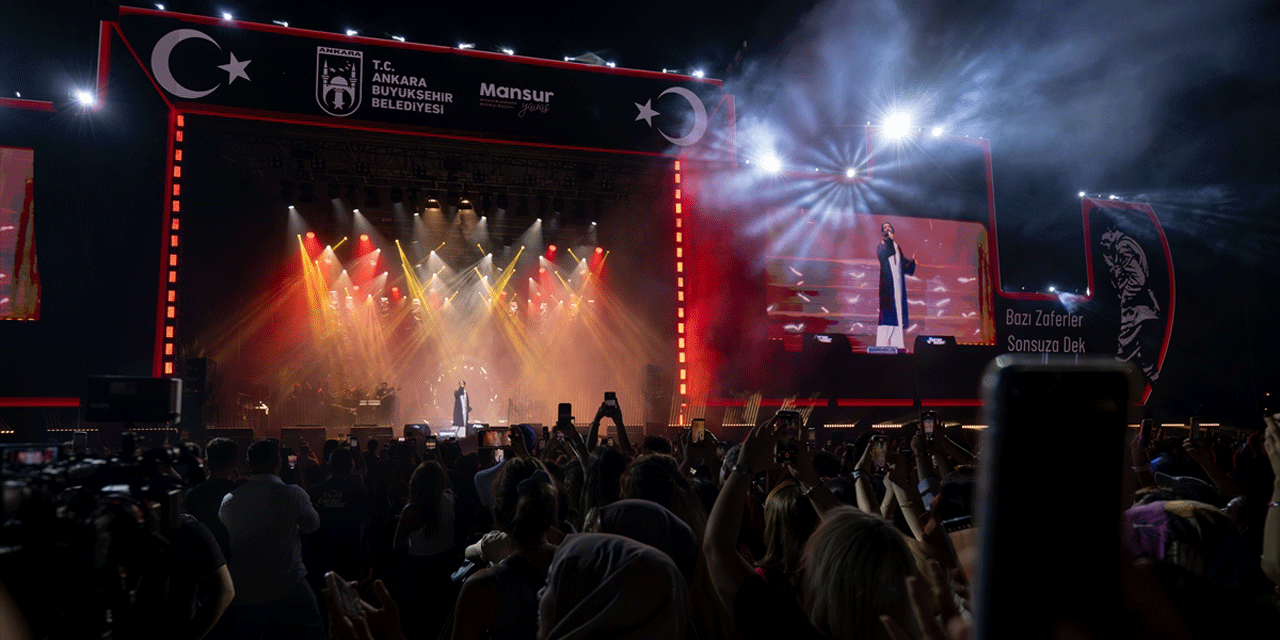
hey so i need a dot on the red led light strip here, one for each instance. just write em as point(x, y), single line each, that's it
point(681, 251)
point(166, 357)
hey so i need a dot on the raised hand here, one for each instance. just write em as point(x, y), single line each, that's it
point(518, 444)
point(1271, 443)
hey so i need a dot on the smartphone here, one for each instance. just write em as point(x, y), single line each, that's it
point(879, 452)
point(429, 442)
point(611, 398)
point(698, 430)
point(498, 456)
point(962, 542)
point(564, 412)
point(608, 441)
point(929, 423)
point(789, 432)
point(348, 599)
point(1195, 430)
point(1030, 402)
point(293, 461)
point(353, 442)
point(1144, 432)
point(490, 438)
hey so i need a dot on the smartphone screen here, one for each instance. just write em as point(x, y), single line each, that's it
point(494, 438)
point(1195, 430)
point(698, 430)
point(611, 398)
point(353, 442)
point(293, 461)
point(789, 436)
point(879, 450)
point(1038, 410)
point(929, 423)
point(565, 411)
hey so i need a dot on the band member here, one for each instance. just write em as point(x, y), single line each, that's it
point(461, 407)
point(894, 269)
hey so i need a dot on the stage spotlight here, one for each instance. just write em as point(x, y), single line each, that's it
point(466, 45)
point(226, 16)
point(283, 23)
point(85, 98)
point(771, 163)
point(398, 38)
point(1081, 194)
point(160, 6)
point(938, 131)
point(850, 172)
point(291, 208)
point(352, 32)
point(364, 237)
point(897, 124)
point(509, 51)
point(698, 73)
point(551, 248)
point(1113, 197)
point(433, 200)
point(310, 234)
point(599, 250)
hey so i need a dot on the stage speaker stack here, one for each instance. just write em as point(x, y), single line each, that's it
point(312, 434)
point(384, 435)
point(197, 390)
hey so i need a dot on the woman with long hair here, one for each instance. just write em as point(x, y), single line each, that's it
point(425, 531)
point(501, 603)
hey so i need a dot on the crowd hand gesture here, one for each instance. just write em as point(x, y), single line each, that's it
point(953, 625)
point(375, 623)
point(899, 473)
point(705, 450)
point(1271, 443)
point(518, 445)
point(1202, 455)
point(801, 469)
point(919, 446)
point(758, 449)
point(606, 411)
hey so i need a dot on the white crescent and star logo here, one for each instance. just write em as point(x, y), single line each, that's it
point(647, 112)
point(164, 75)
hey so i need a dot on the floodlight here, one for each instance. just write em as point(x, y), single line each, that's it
point(897, 124)
point(850, 172)
point(938, 131)
point(771, 163)
point(85, 98)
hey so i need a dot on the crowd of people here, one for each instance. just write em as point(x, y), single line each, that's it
point(774, 537)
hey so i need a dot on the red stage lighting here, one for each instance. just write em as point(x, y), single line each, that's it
point(551, 249)
point(364, 238)
point(311, 234)
point(599, 250)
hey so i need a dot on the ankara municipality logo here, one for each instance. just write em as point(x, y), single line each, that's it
point(338, 79)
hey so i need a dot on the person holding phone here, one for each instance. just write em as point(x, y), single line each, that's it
point(611, 409)
point(849, 550)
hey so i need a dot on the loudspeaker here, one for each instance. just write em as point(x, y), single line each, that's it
point(132, 399)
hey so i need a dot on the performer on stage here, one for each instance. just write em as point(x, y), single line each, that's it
point(461, 407)
point(894, 269)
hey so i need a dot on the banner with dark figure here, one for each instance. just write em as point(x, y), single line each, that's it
point(1132, 282)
